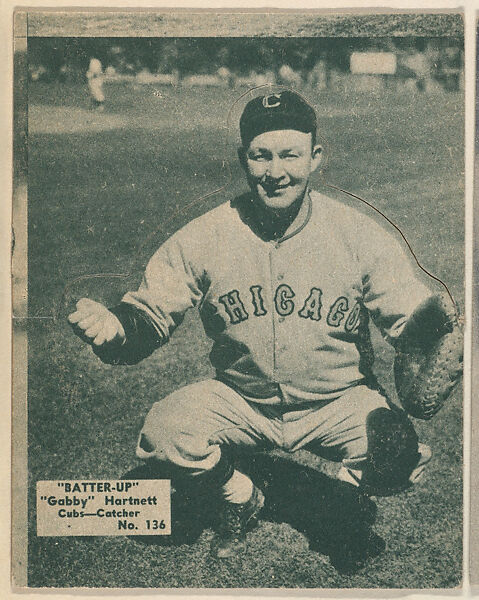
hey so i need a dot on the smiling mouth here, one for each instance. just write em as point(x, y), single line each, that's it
point(274, 190)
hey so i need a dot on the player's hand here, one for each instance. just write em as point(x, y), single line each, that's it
point(95, 324)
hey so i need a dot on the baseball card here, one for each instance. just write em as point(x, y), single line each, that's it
point(238, 300)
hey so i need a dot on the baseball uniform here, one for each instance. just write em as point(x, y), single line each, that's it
point(287, 319)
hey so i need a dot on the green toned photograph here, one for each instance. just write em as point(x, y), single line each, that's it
point(245, 261)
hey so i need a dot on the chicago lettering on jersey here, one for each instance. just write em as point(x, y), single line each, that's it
point(339, 313)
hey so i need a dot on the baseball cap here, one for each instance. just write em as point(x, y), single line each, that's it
point(283, 110)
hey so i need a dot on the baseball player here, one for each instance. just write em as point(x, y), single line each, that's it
point(285, 280)
point(95, 79)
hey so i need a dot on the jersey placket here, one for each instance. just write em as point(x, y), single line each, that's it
point(277, 274)
point(282, 296)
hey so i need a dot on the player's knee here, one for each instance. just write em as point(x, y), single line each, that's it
point(169, 415)
point(171, 434)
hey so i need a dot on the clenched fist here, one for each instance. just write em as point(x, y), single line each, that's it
point(94, 323)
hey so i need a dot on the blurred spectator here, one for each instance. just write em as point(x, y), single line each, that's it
point(450, 66)
point(416, 61)
point(319, 77)
point(95, 83)
point(288, 77)
point(226, 77)
point(37, 72)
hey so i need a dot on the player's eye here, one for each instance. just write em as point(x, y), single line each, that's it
point(259, 154)
point(259, 158)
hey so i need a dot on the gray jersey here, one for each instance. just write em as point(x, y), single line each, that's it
point(284, 315)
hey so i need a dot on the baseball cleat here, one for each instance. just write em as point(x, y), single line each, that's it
point(353, 476)
point(235, 521)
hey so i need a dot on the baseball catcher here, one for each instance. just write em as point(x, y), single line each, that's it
point(286, 281)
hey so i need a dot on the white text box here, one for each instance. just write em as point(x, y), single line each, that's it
point(113, 507)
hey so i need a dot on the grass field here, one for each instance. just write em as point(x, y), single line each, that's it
point(104, 190)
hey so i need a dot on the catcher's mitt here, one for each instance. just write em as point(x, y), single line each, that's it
point(429, 355)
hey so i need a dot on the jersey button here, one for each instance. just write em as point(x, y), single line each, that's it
point(280, 277)
point(281, 319)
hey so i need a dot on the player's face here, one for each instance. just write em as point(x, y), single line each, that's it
point(278, 165)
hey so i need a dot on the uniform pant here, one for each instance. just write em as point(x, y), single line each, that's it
point(95, 85)
point(189, 427)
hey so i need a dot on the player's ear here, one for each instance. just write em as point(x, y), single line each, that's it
point(316, 157)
